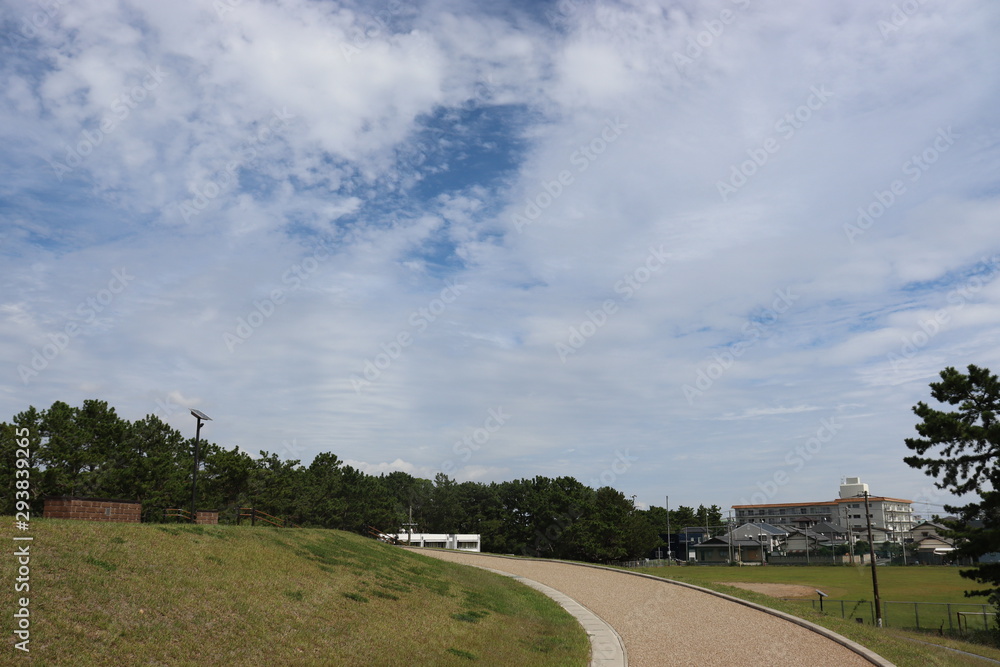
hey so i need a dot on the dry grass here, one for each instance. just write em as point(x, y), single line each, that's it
point(169, 594)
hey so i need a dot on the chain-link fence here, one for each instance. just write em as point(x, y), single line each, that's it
point(919, 615)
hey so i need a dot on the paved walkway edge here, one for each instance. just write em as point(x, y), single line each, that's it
point(606, 646)
point(864, 652)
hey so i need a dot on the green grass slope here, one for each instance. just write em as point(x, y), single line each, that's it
point(125, 594)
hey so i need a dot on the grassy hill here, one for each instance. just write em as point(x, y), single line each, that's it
point(123, 594)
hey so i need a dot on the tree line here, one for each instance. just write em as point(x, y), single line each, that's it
point(89, 451)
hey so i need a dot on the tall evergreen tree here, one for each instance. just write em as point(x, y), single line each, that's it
point(961, 448)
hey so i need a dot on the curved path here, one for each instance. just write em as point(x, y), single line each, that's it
point(670, 623)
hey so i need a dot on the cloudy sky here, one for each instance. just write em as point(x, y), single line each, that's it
point(712, 250)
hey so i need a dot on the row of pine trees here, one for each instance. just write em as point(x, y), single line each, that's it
point(89, 451)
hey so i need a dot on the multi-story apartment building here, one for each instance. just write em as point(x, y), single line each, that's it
point(895, 515)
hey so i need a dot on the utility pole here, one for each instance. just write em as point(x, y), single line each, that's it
point(902, 541)
point(760, 539)
point(871, 549)
point(409, 528)
point(730, 538)
point(850, 533)
point(669, 543)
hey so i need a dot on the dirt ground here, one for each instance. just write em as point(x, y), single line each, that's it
point(775, 590)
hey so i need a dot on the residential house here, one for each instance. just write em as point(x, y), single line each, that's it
point(686, 540)
point(805, 541)
point(836, 534)
point(772, 537)
point(929, 546)
point(719, 550)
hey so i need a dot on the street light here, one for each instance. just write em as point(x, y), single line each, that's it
point(200, 416)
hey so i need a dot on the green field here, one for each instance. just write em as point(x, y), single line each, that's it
point(125, 594)
point(897, 584)
point(925, 583)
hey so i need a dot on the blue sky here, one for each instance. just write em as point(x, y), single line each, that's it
point(679, 248)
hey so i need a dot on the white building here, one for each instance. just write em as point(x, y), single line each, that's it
point(457, 541)
point(894, 515)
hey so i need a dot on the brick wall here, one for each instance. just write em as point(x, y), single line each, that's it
point(92, 509)
point(207, 516)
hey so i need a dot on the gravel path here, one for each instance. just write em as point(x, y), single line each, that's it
point(669, 624)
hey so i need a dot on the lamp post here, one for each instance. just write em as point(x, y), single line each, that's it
point(200, 416)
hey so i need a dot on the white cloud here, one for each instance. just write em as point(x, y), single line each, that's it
point(407, 149)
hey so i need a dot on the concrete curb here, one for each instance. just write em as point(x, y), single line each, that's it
point(606, 646)
point(864, 652)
